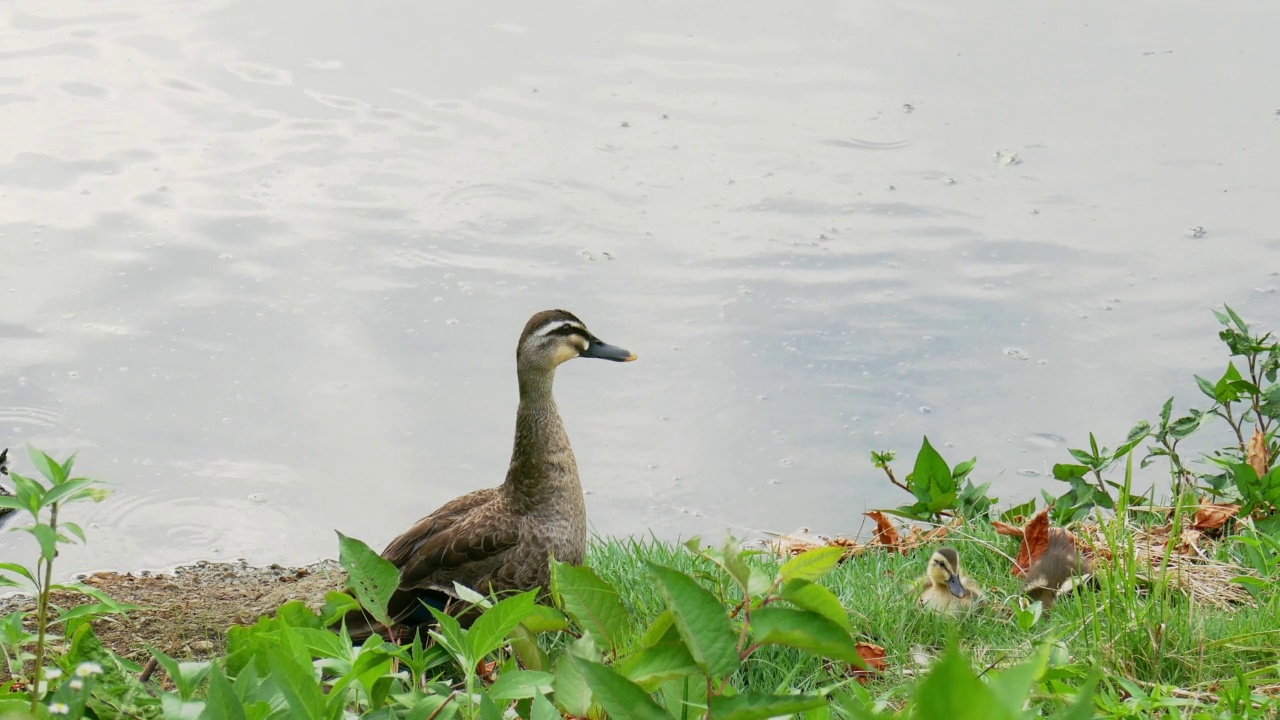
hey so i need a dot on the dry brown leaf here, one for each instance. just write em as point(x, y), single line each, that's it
point(874, 656)
point(886, 532)
point(1257, 455)
point(1003, 528)
point(1188, 546)
point(1212, 517)
point(1035, 540)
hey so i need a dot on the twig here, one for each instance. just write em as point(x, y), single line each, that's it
point(148, 670)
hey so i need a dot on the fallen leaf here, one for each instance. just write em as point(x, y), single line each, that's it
point(1212, 517)
point(1188, 545)
point(1257, 454)
point(874, 656)
point(1035, 540)
point(886, 532)
point(1003, 528)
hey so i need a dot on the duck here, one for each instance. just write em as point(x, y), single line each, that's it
point(1057, 571)
point(946, 589)
point(500, 539)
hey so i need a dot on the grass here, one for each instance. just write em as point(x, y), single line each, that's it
point(1140, 635)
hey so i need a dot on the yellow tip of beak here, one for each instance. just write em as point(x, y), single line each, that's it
point(633, 356)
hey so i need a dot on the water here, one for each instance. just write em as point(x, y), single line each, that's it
point(264, 264)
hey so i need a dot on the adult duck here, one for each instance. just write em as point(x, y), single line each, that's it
point(500, 539)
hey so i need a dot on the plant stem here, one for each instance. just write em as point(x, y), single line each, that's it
point(889, 471)
point(42, 613)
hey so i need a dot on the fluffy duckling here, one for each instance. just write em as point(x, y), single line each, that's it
point(1057, 571)
point(946, 590)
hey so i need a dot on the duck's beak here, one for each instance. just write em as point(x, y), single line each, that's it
point(954, 585)
point(604, 351)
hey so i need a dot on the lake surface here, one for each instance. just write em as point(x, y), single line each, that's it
point(264, 264)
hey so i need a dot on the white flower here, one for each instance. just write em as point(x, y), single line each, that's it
point(52, 673)
point(85, 669)
point(77, 684)
point(58, 709)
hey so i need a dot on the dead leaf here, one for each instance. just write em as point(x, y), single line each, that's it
point(886, 532)
point(1035, 540)
point(1190, 537)
point(1006, 529)
point(1212, 517)
point(874, 656)
point(1257, 455)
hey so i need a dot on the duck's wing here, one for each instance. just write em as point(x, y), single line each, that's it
point(971, 586)
point(473, 530)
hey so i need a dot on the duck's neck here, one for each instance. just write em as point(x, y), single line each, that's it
point(543, 473)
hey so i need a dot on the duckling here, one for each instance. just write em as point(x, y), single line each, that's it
point(946, 590)
point(1057, 571)
point(500, 539)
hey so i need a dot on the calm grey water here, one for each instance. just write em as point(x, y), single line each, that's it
point(264, 264)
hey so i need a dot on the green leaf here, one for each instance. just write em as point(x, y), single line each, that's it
point(58, 492)
point(811, 564)
point(660, 662)
point(1225, 390)
point(542, 709)
point(221, 702)
point(1206, 387)
point(17, 569)
point(543, 619)
point(701, 620)
point(619, 697)
point(812, 596)
point(11, 502)
point(756, 706)
point(572, 693)
point(1238, 321)
point(961, 471)
point(520, 684)
point(592, 603)
point(931, 476)
point(74, 529)
point(804, 630)
point(490, 629)
point(372, 578)
point(1064, 471)
point(28, 492)
point(951, 690)
point(298, 684)
point(48, 467)
point(47, 539)
point(489, 709)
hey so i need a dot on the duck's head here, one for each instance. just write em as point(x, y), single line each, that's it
point(552, 337)
point(944, 571)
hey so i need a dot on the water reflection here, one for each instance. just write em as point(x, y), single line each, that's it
point(265, 264)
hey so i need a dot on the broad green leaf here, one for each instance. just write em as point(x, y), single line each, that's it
point(525, 646)
point(572, 693)
point(28, 492)
point(619, 697)
point(449, 634)
point(1065, 471)
point(542, 709)
point(812, 596)
point(471, 597)
point(1206, 387)
point(489, 709)
point(519, 684)
point(1089, 461)
point(221, 701)
point(326, 644)
point(74, 529)
point(298, 684)
point(811, 564)
point(490, 629)
point(661, 624)
point(11, 502)
point(175, 708)
point(1240, 325)
point(1225, 390)
point(1165, 412)
point(804, 630)
point(951, 690)
point(592, 603)
point(58, 492)
point(336, 606)
point(652, 666)
point(755, 706)
point(542, 619)
point(48, 467)
point(1013, 685)
point(701, 620)
point(47, 539)
point(371, 577)
point(931, 474)
point(962, 470)
point(17, 569)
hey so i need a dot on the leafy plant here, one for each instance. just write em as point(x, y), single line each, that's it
point(42, 502)
point(937, 487)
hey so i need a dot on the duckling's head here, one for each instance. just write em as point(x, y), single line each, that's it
point(552, 337)
point(944, 571)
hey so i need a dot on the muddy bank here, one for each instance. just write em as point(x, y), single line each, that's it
point(186, 612)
